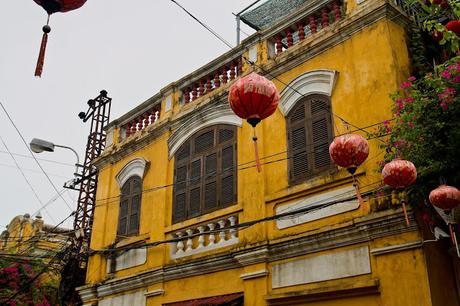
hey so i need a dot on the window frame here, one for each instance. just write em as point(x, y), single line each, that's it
point(186, 212)
point(129, 196)
point(310, 153)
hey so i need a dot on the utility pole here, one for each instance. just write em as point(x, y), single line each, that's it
point(74, 272)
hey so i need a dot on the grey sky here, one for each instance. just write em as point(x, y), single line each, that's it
point(132, 51)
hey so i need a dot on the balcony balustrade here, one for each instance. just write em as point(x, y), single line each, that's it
point(203, 86)
point(298, 31)
point(141, 122)
point(205, 237)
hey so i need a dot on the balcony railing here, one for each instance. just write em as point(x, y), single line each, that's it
point(141, 122)
point(315, 22)
point(205, 237)
point(203, 86)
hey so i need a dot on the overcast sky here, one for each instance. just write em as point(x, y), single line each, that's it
point(131, 50)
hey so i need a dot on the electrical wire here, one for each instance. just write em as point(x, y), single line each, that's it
point(38, 163)
point(32, 170)
point(42, 159)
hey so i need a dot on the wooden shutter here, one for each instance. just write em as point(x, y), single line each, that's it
point(309, 133)
point(195, 188)
point(179, 208)
point(227, 186)
point(129, 215)
point(206, 165)
point(321, 132)
point(297, 139)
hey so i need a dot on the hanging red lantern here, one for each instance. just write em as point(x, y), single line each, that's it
point(400, 174)
point(51, 7)
point(254, 98)
point(445, 197)
point(454, 26)
point(349, 151)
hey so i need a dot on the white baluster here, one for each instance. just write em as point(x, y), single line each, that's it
point(189, 240)
point(222, 232)
point(180, 244)
point(232, 220)
point(212, 236)
point(201, 237)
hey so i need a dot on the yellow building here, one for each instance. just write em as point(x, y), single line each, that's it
point(184, 218)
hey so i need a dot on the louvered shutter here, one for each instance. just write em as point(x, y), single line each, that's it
point(321, 132)
point(128, 219)
point(195, 188)
point(210, 182)
point(123, 217)
point(227, 186)
point(297, 139)
point(179, 209)
point(309, 131)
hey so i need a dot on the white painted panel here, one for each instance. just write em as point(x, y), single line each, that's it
point(168, 104)
point(129, 259)
point(323, 267)
point(320, 213)
point(130, 299)
point(253, 54)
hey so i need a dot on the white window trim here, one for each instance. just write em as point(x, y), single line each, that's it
point(320, 81)
point(136, 167)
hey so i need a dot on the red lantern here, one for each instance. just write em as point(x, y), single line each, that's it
point(349, 151)
point(51, 7)
point(254, 98)
point(454, 26)
point(445, 197)
point(400, 174)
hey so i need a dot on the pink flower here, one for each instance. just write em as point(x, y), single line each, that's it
point(405, 85)
point(411, 78)
point(443, 106)
point(409, 99)
point(445, 74)
point(456, 79)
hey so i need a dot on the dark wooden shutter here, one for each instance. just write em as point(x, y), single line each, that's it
point(309, 132)
point(179, 209)
point(210, 182)
point(227, 186)
point(297, 139)
point(207, 164)
point(321, 132)
point(129, 215)
point(195, 188)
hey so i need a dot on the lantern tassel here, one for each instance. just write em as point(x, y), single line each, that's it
point(454, 239)
point(358, 193)
point(256, 152)
point(405, 212)
point(41, 55)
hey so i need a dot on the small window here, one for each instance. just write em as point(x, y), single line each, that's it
point(130, 204)
point(205, 173)
point(309, 133)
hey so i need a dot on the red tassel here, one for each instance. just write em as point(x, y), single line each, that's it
point(405, 213)
point(41, 56)
point(358, 194)
point(256, 152)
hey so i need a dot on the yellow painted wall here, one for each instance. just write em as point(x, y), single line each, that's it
point(370, 65)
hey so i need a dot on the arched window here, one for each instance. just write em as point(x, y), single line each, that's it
point(130, 202)
point(309, 132)
point(205, 172)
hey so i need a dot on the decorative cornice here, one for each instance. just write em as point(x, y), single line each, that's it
point(363, 229)
point(397, 248)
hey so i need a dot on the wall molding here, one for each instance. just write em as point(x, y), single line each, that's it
point(397, 248)
point(319, 81)
point(135, 167)
point(255, 274)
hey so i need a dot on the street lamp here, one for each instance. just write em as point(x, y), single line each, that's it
point(40, 145)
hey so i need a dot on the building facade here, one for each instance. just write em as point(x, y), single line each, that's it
point(183, 217)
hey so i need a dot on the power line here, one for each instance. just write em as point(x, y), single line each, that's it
point(38, 163)
point(32, 170)
point(42, 159)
